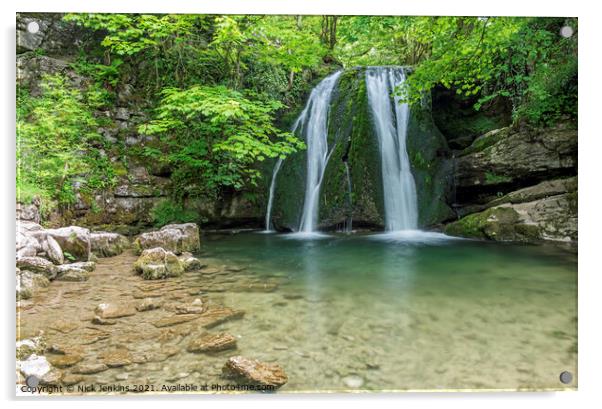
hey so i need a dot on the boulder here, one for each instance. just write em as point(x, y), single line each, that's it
point(254, 372)
point(190, 263)
point(53, 250)
point(157, 263)
point(177, 238)
point(27, 347)
point(38, 265)
point(34, 365)
point(212, 343)
point(74, 240)
point(105, 244)
point(548, 218)
point(88, 266)
point(27, 245)
point(29, 283)
point(73, 274)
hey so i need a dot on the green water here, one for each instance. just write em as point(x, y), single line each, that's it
point(406, 313)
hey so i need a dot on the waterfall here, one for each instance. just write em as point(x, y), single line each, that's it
point(268, 213)
point(391, 125)
point(314, 119)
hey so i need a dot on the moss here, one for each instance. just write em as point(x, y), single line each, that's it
point(494, 179)
point(485, 141)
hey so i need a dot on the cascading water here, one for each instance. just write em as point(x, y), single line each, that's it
point(268, 213)
point(391, 124)
point(313, 124)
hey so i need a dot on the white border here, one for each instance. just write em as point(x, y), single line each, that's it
point(590, 150)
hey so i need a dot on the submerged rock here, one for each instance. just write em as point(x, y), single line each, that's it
point(158, 263)
point(353, 381)
point(89, 369)
point(254, 371)
point(177, 238)
point(212, 343)
point(105, 244)
point(218, 315)
point(73, 274)
point(189, 262)
point(66, 360)
point(149, 304)
point(116, 358)
point(111, 310)
point(175, 320)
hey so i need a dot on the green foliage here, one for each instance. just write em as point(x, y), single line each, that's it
point(166, 212)
point(57, 142)
point(214, 135)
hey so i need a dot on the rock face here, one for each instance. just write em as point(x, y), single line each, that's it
point(74, 240)
point(157, 263)
point(506, 158)
point(105, 244)
point(177, 238)
point(254, 372)
point(546, 211)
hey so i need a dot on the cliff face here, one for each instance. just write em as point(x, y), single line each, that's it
point(518, 185)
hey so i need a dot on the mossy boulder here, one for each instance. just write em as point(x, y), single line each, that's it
point(177, 238)
point(157, 263)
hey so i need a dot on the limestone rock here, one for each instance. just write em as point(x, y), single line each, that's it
point(35, 365)
point(212, 343)
point(74, 240)
point(149, 304)
point(549, 218)
point(27, 347)
point(116, 358)
point(73, 274)
point(114, 310)
point(38, 265)
point(190, 263)
point(157, 263)
point(29, 283)
point(217, 315)
point(89, 369)
point(105, 244)
point(511, 156)
point(53, 250)
point(64, 361)
point(175, 320)
point(177, 238)
point(254, 371)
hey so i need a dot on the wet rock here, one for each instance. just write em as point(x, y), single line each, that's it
point(217, 315)
point(116, 358)
point(175, 320)
point(73, 274)
point(190, 263)
point(105, 244)
point(52, 378)
point(177, 238)
point(64, 361)
point(254, 371)
point(89, 369)
point(35, 365)
point(149, 304)
point(74, 240)
point(101, 321)
point(212, 343)
point(38, 265)
point(196, 307)
point(158, 263)
point(29, 283)
point(27, 347)
point(111, 310)
point(71, 379)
